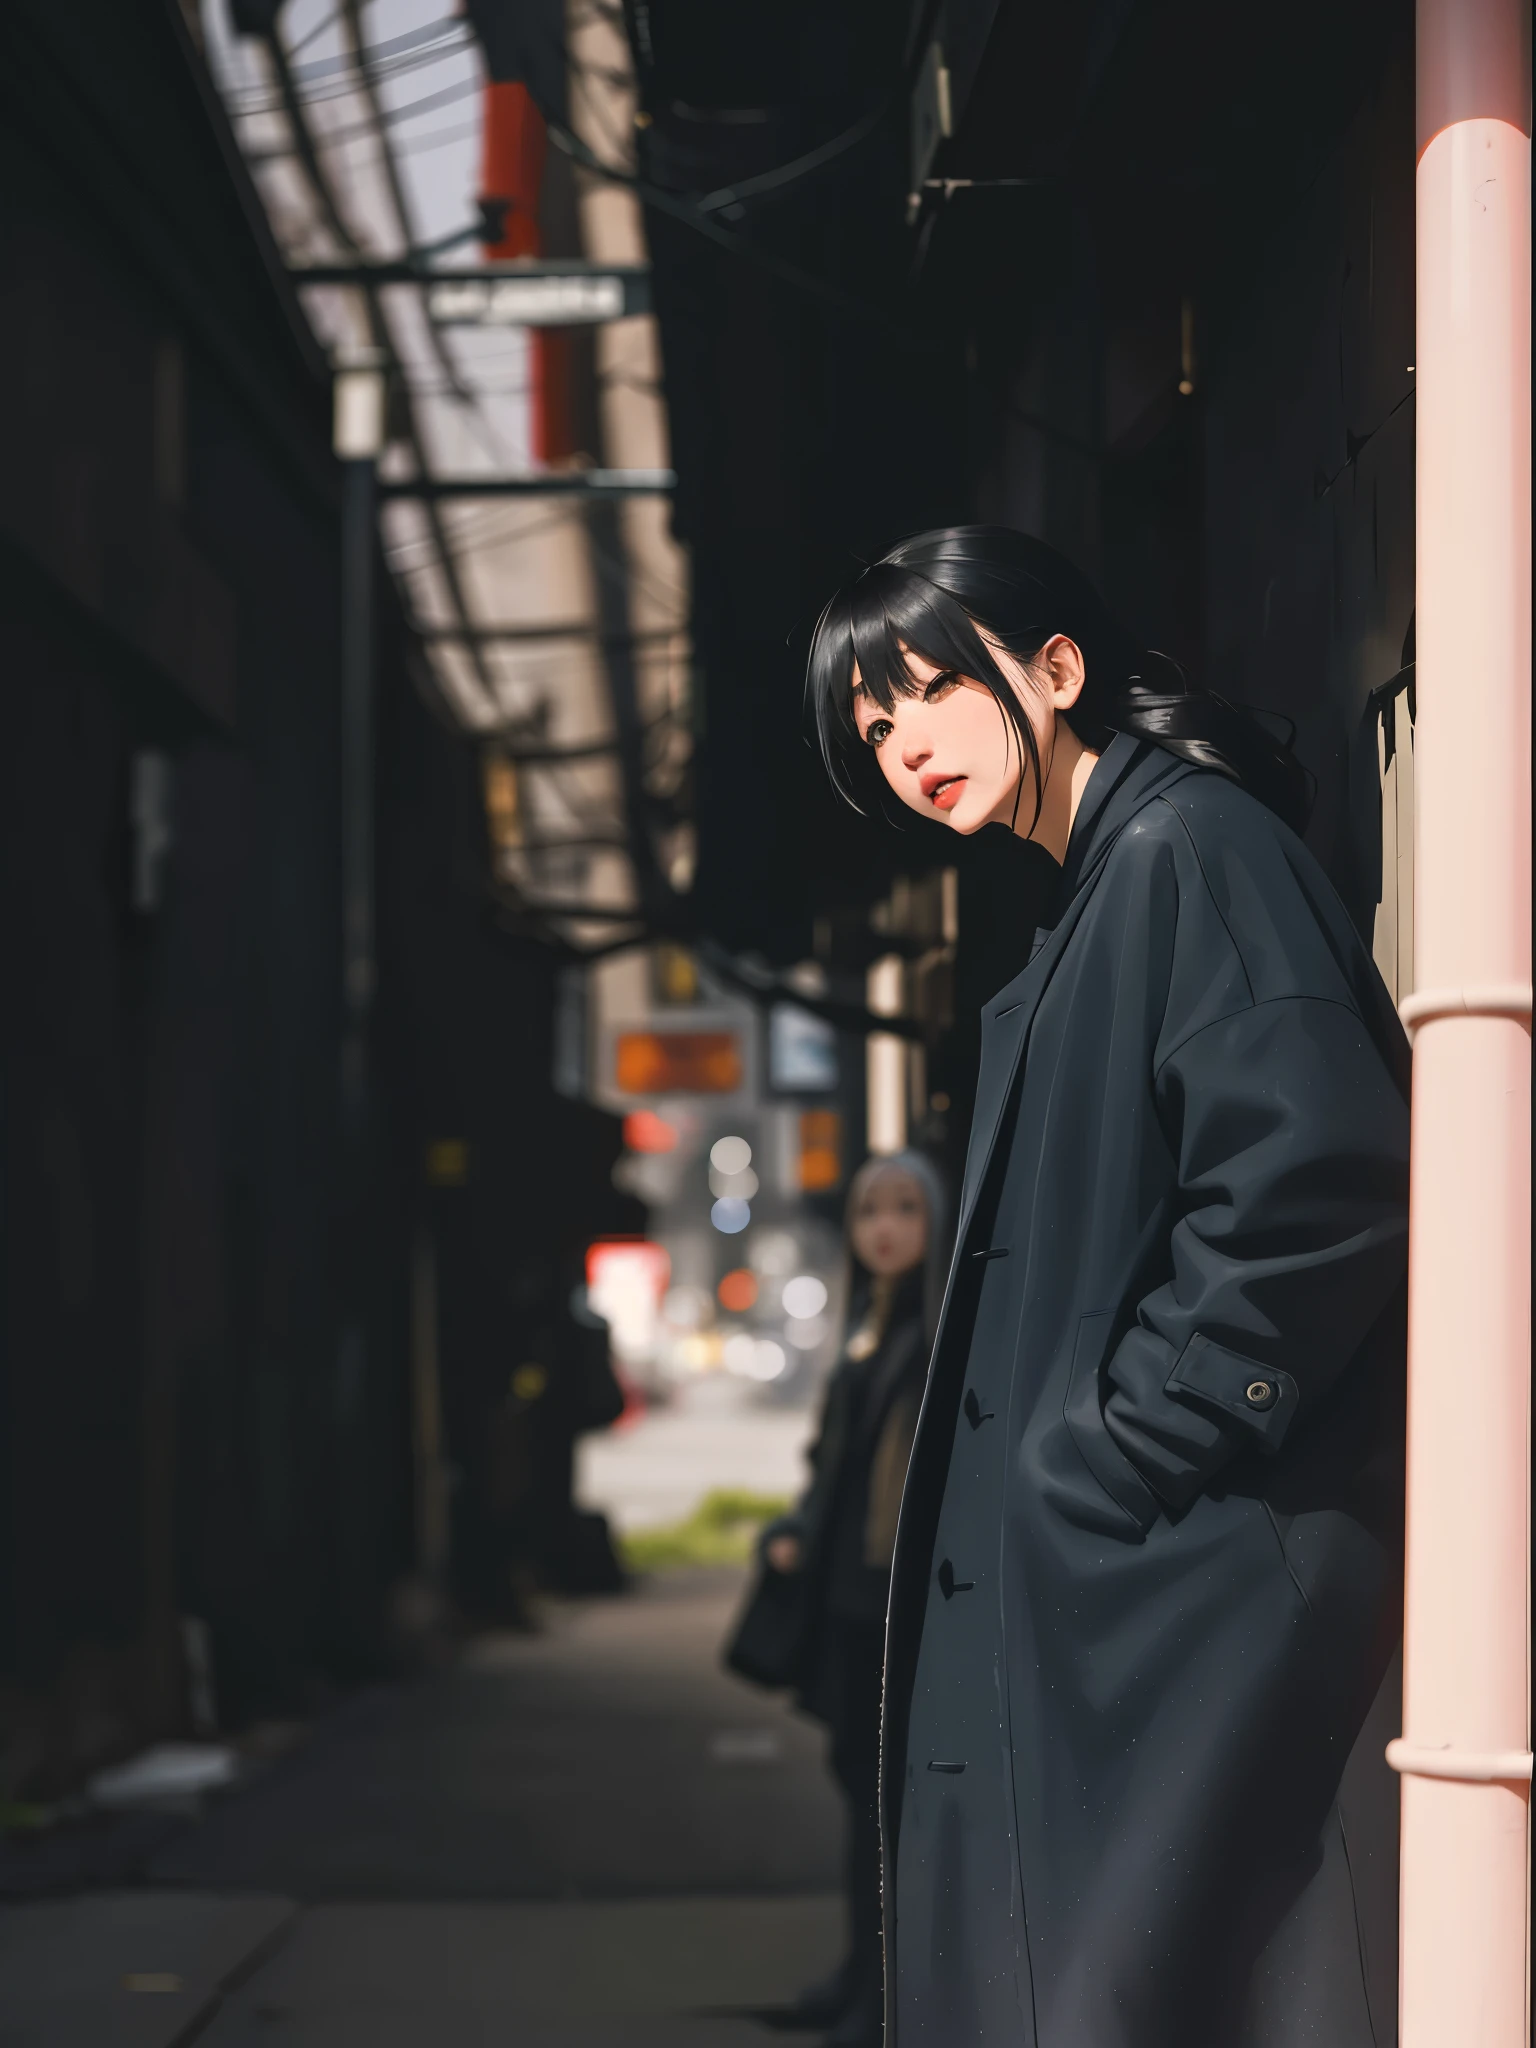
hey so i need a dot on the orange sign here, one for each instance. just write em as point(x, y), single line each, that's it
point(677, 1062)
point(821, 1150)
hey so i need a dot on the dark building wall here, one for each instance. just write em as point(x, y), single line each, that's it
point(1230, 209)
point(182, 1430)
point(506, 1180)
point(174, 1435)
point(1309, 472)
point(73, 1021)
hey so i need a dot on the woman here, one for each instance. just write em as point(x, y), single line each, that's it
point(1147, 1581)
point(842, 1535)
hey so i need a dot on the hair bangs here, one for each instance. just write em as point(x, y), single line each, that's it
point(871, 628)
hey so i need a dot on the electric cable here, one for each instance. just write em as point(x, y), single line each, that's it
point(352, 14)
point(378, 331)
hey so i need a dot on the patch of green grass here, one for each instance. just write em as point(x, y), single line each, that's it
point(17, 1817)
point(721, 1530)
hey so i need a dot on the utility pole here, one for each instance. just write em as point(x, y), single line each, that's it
point(358, 440)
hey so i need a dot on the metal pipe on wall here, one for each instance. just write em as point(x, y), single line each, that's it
point(1465, 1753)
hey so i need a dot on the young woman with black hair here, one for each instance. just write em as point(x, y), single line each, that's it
point(1147, 1580)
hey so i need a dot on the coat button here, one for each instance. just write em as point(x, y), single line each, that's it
point(1260, 1394)
point(949, 1585)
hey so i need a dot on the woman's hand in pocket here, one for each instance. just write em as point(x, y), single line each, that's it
point(783, 1553)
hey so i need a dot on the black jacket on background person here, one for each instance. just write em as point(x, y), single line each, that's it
point(1148, 1577)
point(846, 1520)
point(846, 1526)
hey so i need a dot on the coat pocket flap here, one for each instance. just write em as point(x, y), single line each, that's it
point(1260, 1398)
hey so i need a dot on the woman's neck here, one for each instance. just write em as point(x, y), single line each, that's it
point(1066, 777)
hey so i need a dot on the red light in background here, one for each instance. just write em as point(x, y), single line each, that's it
point(738, 1290)
point(628, 1261)
point(645, 1131)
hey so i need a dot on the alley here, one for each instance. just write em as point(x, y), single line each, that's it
point(585, 1835)
point(764, 783)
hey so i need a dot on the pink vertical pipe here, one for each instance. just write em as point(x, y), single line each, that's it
point(1465, 1751)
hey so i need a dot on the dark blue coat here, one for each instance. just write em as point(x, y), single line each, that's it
point(1148, 1576)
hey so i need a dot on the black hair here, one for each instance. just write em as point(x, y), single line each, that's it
point(938, 593)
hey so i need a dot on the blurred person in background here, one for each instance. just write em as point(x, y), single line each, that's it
point(840, 1539)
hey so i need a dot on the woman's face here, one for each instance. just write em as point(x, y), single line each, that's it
point(950, 751)
point(889, 1226)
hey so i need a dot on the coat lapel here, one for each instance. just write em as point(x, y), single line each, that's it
point(1129, 775)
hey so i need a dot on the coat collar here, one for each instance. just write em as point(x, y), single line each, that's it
point(1129, 775)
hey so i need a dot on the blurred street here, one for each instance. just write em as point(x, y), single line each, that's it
point(590, 1834)
point(650, 1470)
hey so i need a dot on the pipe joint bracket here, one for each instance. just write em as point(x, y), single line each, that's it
point(1464, 1766)
point(1479, 999)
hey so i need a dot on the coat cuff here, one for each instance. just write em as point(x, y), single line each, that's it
point(1262, 1400)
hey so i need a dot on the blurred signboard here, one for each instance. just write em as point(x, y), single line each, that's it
point(626, 1279)
point(677, 1062)
point(821, 1150)
point(543, 298)
point(802, 1051)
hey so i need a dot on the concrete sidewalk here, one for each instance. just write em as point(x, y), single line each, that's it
point(128, 1969)
point(587, 1836)
point(637, 1974)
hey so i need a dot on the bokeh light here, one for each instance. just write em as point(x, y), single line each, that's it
point(807, 1335)
point(738, 1290)
point(768, 1360)
point(754, 1358)
point(730, 1214)
point(774, 1253)
point(804, 1296)
point(730, 1155)
point(685, 1308)
point(645, 1131)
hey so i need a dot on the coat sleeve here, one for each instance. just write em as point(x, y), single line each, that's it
point(1291, 1140)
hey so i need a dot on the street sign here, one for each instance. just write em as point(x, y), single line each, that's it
point(540, 300)
point(511, 292)
point(550, 483)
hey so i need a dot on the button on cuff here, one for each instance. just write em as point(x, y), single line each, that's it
point(1259, 1397)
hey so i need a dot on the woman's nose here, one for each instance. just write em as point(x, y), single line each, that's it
point(915, 750)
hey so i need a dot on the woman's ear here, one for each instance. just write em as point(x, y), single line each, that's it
point(1061, 667)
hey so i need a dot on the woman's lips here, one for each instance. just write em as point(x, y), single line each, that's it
point(945, 795)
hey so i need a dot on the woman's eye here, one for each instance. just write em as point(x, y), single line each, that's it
point(939, 687)
point(878, 731)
